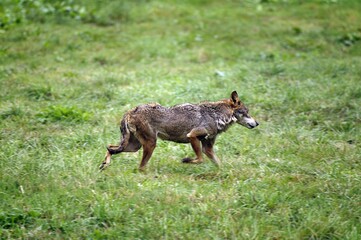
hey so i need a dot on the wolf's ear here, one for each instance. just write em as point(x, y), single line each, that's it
point(234, 97)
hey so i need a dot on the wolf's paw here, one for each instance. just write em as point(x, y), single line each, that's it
point(193, 161)
point(103, 166)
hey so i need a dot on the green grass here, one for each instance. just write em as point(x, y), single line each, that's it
point(69, 70)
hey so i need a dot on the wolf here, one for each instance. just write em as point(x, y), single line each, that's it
point(197, 124)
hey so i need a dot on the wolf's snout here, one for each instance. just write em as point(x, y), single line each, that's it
point(252, 124)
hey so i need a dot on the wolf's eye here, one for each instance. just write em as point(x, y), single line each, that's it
point(241, 111)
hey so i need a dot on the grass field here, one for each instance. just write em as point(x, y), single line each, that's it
point(69, 70)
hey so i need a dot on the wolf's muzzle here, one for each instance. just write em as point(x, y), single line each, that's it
point(253, 125)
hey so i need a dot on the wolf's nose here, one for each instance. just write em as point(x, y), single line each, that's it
point(257, 124)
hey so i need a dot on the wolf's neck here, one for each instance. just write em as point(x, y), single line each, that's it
point(224, 122)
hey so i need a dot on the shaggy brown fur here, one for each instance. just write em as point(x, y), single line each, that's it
point(197, 124)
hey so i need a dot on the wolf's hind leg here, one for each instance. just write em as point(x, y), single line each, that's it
point(148, 148)
point(148, 140)
point(106, 161)
point(129, 144)
point(112, 149)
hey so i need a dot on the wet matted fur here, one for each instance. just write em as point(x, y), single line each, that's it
point(197, 124)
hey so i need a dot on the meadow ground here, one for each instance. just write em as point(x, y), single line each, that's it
point(69, 70)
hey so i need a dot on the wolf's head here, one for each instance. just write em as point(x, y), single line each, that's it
point(240, 112)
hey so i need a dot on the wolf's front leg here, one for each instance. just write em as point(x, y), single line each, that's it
point(207, 148)
point(196, 144)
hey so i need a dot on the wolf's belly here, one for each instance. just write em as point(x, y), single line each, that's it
point(181, 138)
